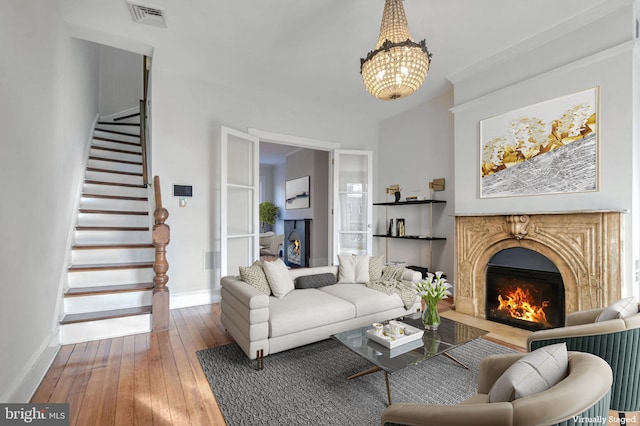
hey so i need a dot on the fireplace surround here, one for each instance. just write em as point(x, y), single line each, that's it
point(586, 247)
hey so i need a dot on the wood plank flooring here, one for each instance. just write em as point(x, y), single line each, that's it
point(155, 378)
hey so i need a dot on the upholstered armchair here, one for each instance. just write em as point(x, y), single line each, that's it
point(270, 244)
point(617, 341)
point(584, 392)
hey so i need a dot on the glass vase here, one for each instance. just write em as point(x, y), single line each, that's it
point(430, 315)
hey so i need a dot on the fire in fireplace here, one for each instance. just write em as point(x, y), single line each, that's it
point(526, 298)
point(297, 239)
point(293, 248)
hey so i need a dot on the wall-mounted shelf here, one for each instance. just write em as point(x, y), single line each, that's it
point(409, 203)
point(411, 237)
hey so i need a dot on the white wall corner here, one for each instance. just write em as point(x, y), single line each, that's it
point(27, 381)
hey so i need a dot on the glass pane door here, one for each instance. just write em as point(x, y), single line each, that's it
point(239, 197)
point(352, 202)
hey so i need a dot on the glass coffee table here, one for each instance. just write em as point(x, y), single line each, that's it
point(449, 335)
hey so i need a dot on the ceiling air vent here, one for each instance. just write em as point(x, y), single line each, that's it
point(147, 14)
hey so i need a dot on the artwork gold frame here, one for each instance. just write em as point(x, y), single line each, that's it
point(547, 148)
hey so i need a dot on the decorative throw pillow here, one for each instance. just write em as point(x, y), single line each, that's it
point(279, 278)
point(392, 273)
point(255, 277)
point(315, 280)
point(375, 268)
point(620, 309)
point(533, 373)
point(353, 269)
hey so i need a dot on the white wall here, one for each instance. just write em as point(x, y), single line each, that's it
point(49, 100)
point(606, 63)
point(120, 80)
point(415, 148)
point(187, 115)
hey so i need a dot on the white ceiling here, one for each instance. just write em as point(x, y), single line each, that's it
point(287, 49)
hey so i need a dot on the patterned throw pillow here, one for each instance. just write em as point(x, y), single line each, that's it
point(255, 277)
point(375, 268)
point(620, 309)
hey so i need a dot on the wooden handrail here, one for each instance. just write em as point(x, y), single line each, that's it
point(161, 237)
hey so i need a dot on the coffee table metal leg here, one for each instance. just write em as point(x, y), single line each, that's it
point(374, 370)
point(454, 359)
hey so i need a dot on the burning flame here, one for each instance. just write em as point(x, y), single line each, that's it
point(517, 304)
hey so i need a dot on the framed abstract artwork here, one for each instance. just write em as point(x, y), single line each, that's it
point(297, 193)
point(547, 148)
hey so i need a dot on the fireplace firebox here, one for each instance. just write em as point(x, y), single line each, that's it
point(297, 242)
point(525, 298)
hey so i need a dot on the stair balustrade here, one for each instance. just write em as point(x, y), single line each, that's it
point(161, 236)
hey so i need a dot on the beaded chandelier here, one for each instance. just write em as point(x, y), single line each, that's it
point(398, 65)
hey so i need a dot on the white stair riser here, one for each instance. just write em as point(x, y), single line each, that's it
point(107, 256)
point(130, 149)
point(99, 219)
point(123, 191)
point(112, 237)
point(120, 167)
point(113, 177)
point(133, 129)
point(116, 155)
point(106, 302)
point(113, 204)
point(110, 277)
point(104, 329)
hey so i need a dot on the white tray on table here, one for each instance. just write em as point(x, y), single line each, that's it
point(407, 334)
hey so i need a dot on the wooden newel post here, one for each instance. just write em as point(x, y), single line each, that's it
point(161, 236)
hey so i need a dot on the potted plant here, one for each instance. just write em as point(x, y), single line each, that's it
point(268, 212)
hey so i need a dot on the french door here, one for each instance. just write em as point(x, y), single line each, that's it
point(352, 208)
point(240, 180)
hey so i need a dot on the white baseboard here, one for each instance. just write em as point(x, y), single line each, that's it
point(195, 298)
point(26, 383)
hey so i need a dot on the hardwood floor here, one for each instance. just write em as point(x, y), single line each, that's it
point(156, 378)
point(145, 379)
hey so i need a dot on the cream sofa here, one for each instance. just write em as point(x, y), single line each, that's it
point(263, 325)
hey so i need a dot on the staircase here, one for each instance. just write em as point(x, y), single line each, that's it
point(110, 280)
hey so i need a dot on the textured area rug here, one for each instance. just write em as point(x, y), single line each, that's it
point(309, 385)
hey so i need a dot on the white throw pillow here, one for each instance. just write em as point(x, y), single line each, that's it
point(620, 309)
point(533, 373)
point(279, 278)
point(353, 269)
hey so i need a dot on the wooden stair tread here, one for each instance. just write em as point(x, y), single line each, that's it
point(110, 266)
point(102, 138)
point(122, 212)
point(111, 246)
point(128, 185)
point(112, 228)
point(115, 160)
point(107, 289)
point(95, 316)
point(124, 117)
point(116, 123)
point(115, 197)
point(96, 169)
point(116, 150)
point(117, 132)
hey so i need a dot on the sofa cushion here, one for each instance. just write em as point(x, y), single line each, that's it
point(366, 300)
point(306, 309)
point(279, 279)
point(531, 374)
point(255, 277)
point(315, 280)
point(375, 267)
point(353, 269)
point(621, 309)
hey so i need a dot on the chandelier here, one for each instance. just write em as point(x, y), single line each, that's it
point(398, 65)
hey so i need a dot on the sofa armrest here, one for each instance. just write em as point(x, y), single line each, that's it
point(592, 329)
point(411, 276)
point(583, 317)
point(496, 414)
point(247, 295)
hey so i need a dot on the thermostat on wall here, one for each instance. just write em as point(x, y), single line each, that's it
point(182, 191)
